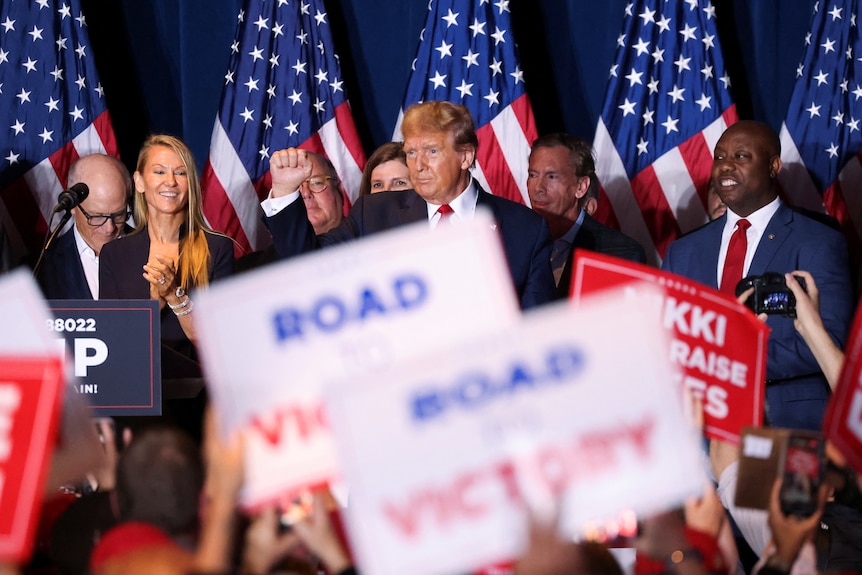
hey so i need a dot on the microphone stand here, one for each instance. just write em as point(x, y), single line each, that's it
point(49, 239)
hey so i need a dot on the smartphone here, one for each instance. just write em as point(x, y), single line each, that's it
point(802, 473)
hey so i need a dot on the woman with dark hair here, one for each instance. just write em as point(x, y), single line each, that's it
point(386, 170)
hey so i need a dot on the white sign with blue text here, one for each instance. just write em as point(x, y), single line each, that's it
point(570, 408)
point(271, 338)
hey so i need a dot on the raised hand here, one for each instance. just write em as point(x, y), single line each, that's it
point(288, 169)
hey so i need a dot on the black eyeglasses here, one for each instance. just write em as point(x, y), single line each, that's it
point(118, 218)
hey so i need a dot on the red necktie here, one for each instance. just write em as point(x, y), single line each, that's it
point(735, 260)
point(445, 212)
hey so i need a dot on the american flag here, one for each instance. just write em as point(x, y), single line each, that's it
point(467, 55)
point(52, 111)
point(666, 105)
point(283, 88)
point(821, 138)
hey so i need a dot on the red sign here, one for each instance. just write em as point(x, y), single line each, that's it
point(842, 424)
point(30, 398)
point(718, 344)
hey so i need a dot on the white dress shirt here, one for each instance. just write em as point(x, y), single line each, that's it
point(758, 220)
point(463, 207)
point(90, 261)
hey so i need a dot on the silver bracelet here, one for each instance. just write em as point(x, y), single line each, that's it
point(187, 311)
point(180, 305)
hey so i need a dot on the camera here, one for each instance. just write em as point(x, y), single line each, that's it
point(771, 294)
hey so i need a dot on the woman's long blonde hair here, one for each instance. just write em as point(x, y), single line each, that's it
point(194, 253)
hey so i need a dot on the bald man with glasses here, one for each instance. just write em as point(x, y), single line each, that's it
point(70, 267)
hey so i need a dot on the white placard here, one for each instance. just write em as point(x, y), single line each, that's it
point(441, 453)
point(24, 316)
point(270, 339)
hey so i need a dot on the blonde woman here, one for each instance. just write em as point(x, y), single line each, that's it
point(172, 252)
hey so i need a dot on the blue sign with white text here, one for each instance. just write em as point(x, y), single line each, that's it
point(115, 350)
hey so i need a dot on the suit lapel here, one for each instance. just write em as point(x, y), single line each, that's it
point(777, 231)
point(586, 240)
point(139, 251)
point(75, 278)
point(705, 269)
point(412, 209)
point(489, 201)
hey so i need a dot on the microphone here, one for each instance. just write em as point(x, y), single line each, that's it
point(67, 200)
point(70, 198)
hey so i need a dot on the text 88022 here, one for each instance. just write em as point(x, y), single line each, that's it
point(72, 324)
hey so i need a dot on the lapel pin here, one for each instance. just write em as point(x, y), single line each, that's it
point(771, 236)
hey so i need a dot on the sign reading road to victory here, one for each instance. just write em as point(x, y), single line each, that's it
point(271, 338)
point(114, 349)
point(842, 424)
point(444, 457)
point(717, 342)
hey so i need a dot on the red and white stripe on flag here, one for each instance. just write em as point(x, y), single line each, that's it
point(467, 55)
point(666, 105)
point(29, 200)
point(821, 139)
point(283, 88)
point(667, 198)
point(232, 199)
point(52, 109)
point(502, 160)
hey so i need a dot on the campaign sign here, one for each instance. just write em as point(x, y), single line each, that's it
point(114, 347)
point(30, 397)
point(842, 424)
point(270, 338)
point(717, 342)
point(443, 454)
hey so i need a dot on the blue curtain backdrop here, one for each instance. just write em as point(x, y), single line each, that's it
point(162, 62)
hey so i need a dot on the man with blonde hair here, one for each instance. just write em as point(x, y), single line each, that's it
point(440, 144)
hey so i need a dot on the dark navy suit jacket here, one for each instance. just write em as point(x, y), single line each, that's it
point(797, 392)
point(598, 237)
point(121, 269)
point(61, 274)
point(525, 235)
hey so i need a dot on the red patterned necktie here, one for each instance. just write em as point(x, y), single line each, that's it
point(445, 212)
point(735, 260)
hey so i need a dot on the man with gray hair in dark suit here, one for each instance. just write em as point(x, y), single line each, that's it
point(561, 172)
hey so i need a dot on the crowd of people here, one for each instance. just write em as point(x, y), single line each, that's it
point(166, 498)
